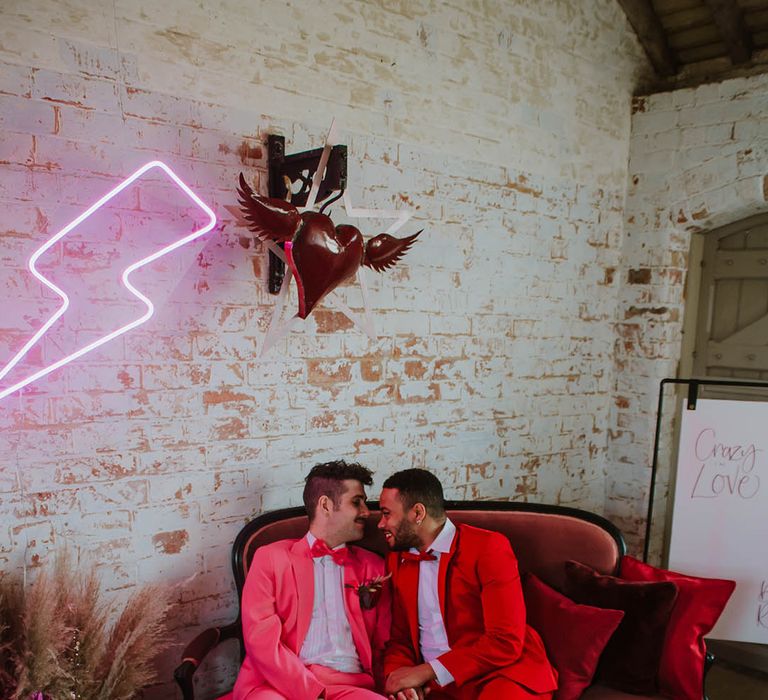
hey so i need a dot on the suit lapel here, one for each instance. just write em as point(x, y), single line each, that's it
point(353, 575)
point(407, 584)
point(304, 574)
point(442, 573)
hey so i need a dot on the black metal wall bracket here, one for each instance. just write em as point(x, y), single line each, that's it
point(300, 167)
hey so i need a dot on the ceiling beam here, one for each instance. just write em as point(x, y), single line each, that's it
point(649, 30)
point(730, 23)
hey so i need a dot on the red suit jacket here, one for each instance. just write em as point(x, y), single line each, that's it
point(482, 605)
point(277, 609)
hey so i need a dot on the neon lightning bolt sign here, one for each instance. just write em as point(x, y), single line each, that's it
point(150, 308)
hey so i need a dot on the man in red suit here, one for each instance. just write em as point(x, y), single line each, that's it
point(458, 616)
point(315, 612)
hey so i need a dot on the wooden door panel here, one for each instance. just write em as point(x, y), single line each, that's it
point(732, 330)
point(754, 303)
point(741, 264)
point(726, 302)
point(726, 355)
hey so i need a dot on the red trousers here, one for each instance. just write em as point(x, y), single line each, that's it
point(494, 689)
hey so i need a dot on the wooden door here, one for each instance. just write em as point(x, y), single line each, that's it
point(732, 324)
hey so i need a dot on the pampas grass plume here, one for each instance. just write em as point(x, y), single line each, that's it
point(55, 637)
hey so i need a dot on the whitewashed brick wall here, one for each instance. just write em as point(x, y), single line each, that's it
point(504, 126)
point(698, 161)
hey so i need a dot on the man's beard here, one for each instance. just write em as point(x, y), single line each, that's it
point(405, 538)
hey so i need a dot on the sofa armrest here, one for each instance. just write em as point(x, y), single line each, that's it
point(197, 650)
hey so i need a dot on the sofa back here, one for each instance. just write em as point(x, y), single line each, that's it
point(543, 537)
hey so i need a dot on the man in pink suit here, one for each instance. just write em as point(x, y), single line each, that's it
point(315, 612)
point(458, 616)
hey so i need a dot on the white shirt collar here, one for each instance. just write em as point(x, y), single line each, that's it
point(444, 540)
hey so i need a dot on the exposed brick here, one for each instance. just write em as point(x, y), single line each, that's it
point(170, 542)
point(331, 321)
point(370, 370)
point(496, 331)
point(693, 155)
point(639, 276)
point(322, 372)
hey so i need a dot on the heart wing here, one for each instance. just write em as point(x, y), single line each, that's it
point(383, 251)
point(269, 218)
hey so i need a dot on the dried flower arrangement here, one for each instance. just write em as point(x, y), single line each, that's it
point(56, 640)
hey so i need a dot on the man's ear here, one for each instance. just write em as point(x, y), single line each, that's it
point(324, 505)
point(419, 512)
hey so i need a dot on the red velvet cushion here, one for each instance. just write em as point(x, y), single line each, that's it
point(631, 658)
point(574, 635)
point(700, 601)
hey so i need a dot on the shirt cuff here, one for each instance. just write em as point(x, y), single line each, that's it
point(442, 674)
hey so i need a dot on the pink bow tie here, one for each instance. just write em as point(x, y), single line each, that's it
point(421, 556)
point(321, 549)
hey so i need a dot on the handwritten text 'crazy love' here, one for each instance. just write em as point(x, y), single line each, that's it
point(726, 470)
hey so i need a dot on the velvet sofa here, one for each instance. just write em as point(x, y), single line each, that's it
point(543, 537)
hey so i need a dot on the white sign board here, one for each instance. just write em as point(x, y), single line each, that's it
point(720, 517)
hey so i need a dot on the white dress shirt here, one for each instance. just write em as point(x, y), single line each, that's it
point(329, 639)
point(432, 635)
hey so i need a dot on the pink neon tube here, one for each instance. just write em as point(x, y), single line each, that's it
point(125, 279)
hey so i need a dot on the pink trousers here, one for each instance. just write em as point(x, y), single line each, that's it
point(338, 686)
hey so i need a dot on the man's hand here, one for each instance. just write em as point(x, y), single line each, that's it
point(410, 694)
point(406, 683)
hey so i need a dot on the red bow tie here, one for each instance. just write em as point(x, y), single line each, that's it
point(421, 556)
point(321, 549)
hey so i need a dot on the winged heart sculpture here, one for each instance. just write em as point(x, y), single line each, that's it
point(321, 256)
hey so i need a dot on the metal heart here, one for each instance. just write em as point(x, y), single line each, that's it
point(323, 257)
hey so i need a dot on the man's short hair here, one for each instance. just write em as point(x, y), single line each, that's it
point(327, 479)
point(419, 486)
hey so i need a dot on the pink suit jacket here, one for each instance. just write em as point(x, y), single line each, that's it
point(277, 610)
